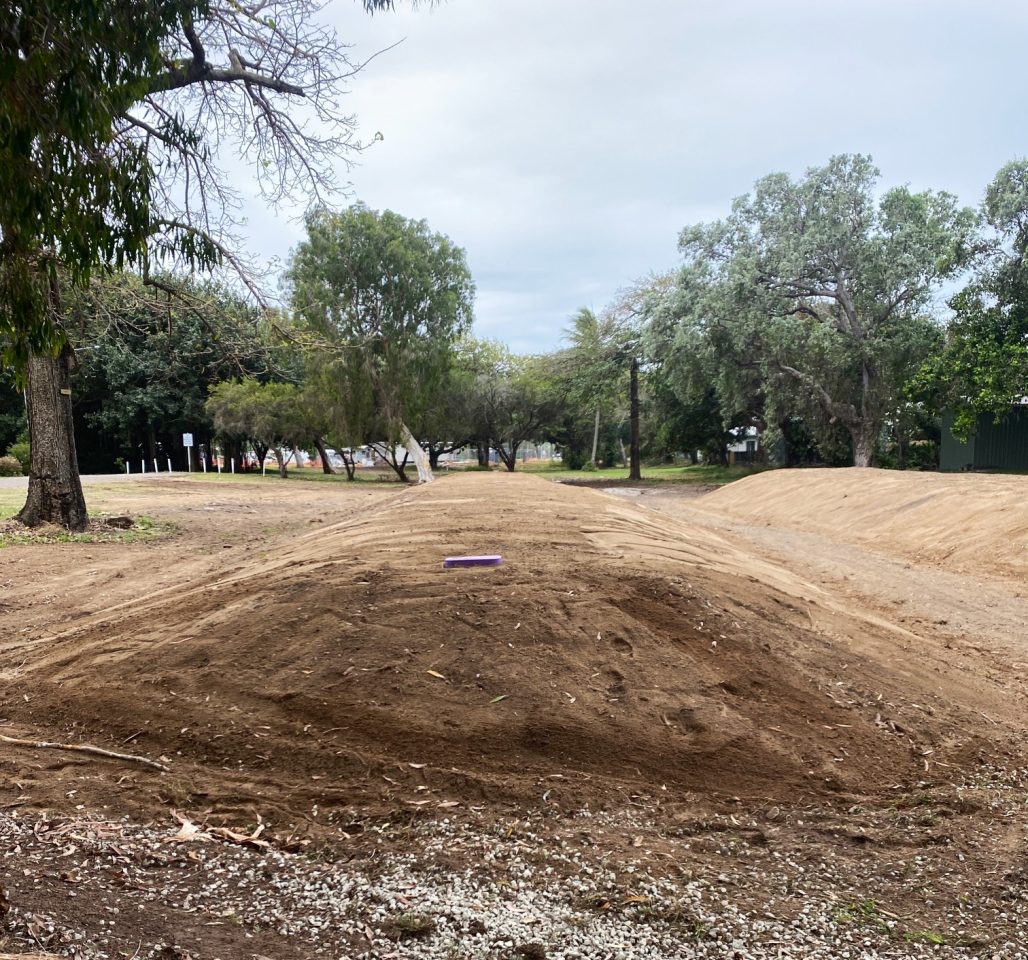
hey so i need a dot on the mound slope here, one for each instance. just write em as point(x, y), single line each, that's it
point(614, 654)
point(969, 522)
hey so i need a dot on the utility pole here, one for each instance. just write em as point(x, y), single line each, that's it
point(635, 467)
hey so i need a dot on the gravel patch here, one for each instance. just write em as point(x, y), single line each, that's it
point(616, 886)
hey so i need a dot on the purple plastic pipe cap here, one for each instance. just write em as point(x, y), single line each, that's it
point(488, 560)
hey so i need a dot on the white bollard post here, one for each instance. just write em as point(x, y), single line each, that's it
point(219, 466)
point(189, 459)
point(169, 464)
point(264, 467)
point(128, 467)
point(203, 463)
point(144, 466)
point(156, 466)
point(233, 464)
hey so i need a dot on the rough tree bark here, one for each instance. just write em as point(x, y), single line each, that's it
point(863, 435)
point(55, 491)
point(482, 451)
point(635, 469)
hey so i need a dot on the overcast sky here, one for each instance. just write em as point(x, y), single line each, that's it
point(565, 143)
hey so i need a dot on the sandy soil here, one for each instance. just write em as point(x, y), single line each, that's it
point(298, 659)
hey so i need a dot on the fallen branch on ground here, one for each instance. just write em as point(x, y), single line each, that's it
point(83, 748)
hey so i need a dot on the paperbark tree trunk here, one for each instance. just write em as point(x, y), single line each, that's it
point(417, 454)
point(55, 490)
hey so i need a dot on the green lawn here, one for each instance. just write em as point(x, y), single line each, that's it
point(665, 473)
point(315, 476)
point(11, 501)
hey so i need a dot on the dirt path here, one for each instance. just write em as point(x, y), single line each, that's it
point(652, 726)
point(972, 612)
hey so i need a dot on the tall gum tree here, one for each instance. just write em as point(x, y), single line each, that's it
point(109, 119)
point(829, 287)
point(391, 300)
point(983, 368)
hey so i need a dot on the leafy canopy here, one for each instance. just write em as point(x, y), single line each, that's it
point(390, 299)
point(72, 195)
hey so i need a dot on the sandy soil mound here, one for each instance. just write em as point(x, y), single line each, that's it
point(968, 522)
point(615, 654)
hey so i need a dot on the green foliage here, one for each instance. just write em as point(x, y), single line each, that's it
point(146, 360)
point(390, 300)
point(983, 367)
point(10, 467)
point(12, 415)
point(273, 414)
point(812, 298)
point(21, 452)
point(73, 198)
point(516, 398)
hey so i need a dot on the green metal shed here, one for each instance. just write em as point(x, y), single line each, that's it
point(993, 446)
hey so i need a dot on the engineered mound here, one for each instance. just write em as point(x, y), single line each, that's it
point(615, 655)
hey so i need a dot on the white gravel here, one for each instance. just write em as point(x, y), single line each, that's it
point(562, 886)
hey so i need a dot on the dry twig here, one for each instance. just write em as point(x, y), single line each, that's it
point(83, 748)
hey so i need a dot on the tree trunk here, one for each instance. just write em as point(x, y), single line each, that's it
point(635, 470)
point(596, 437)
point(417, 454)
point(863, 435)
point(319, 444)
point(482, 450)
point(433, 456)
point(388, 453)
point(509, 458)
point(281, 458)
point(350, 464)
point(55, 490)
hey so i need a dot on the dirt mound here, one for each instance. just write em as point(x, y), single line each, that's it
point(615, 654)
point(967, 522)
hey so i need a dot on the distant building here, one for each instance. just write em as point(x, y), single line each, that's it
point(993, 446)
point(744, 445)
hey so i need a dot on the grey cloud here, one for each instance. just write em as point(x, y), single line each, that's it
point(566, 144)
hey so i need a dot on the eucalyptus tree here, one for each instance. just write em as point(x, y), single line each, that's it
point(112, 122)
point(517, 399)
point(273, 415)
point(391, 300)
point(983, 367)
point(826, 289)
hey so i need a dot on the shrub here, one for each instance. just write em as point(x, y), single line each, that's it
point(21, 452)
point(10, 467)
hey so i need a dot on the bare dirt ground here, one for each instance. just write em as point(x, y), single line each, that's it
point(647, 734)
